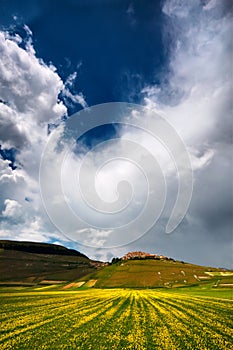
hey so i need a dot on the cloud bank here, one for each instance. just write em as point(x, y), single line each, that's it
point(195, 96)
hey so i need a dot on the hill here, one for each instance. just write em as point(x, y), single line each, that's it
point(33, 263)
point(143, 270)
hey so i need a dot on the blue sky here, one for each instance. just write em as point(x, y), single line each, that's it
point(117, 45)
point(173, 57)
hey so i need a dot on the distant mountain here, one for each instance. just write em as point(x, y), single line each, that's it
point(32, 263)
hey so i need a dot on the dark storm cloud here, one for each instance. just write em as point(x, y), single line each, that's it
point(212, 197)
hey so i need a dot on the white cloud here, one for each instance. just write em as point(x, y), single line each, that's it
point(29, 95)
point(94, 237)
point(13, 211)
point(68, 95)
point(28, 86)
point(29, 101)
point(196, 99)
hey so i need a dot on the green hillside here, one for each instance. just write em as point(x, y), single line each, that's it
point(149, 273)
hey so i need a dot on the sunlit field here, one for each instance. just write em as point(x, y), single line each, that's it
point(115, 319)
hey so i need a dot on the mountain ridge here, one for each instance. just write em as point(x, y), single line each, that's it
point(39, 248)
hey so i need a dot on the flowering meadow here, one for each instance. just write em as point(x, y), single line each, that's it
point(114, 319)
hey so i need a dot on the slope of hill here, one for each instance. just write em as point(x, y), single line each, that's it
point(134, 272)
point(32, 263)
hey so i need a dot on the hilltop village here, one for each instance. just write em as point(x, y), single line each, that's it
point(138, 255)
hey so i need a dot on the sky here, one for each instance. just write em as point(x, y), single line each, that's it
point(172, 58)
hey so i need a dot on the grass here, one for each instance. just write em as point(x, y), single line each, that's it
point(156, 273)
point(206, 291)
point(181, 318)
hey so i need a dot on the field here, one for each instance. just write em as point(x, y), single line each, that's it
point(116, 319)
